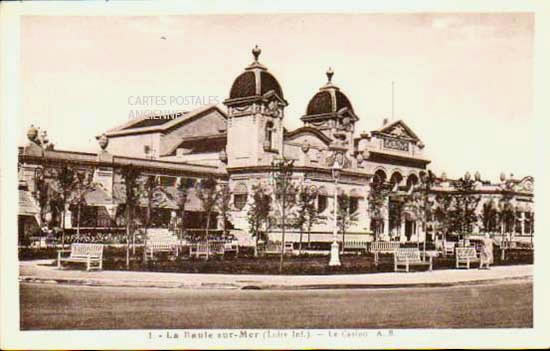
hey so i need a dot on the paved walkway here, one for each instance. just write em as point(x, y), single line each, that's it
point(42, 271)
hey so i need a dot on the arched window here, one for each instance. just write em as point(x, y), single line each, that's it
point(240, 196)
point(379, 176)
point(268, 143)
point(396, 178)
point(412, 179)
point(322, 199)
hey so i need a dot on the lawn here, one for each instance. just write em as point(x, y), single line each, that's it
point(114, 259)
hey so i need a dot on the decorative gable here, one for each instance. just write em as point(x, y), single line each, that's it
point(308, 136)
point(399, 130)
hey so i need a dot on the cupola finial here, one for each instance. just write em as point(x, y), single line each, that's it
point(256, 52)
point(330, 73)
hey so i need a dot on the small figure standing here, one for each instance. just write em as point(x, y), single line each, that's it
point(486, 256)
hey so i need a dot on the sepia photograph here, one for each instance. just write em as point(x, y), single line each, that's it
point(274, 177)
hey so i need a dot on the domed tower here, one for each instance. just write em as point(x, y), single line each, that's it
point(331, 112)
point(255, 123)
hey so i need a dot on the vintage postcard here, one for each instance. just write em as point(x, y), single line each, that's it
point(286, 176)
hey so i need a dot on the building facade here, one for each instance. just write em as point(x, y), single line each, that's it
point(238, 143)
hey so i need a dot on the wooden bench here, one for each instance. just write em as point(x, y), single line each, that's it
point(377, 247)
point(162, 246)
point(274, 248)
point(448, 247)
point(91, 254)
point(361, 246)
point(407, 257)
point(212, 249)
point(465, 256)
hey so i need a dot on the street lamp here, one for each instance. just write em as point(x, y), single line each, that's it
point(334, 249)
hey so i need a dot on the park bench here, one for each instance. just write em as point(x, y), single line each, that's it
point(377, 247)
point(90, 254)
point(274, 248)
point(358, 245)
point(465, 256)
point(407, 257)
point(202, 249)
point(162, 246)
point(448, 247)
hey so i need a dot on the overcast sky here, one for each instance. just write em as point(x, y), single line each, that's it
point(463, 82)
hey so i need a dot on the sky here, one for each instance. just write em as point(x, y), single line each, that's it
point(463, 82)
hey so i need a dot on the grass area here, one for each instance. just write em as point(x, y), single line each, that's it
point(115, 259)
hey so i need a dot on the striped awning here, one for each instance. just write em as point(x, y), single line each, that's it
point(27, 207)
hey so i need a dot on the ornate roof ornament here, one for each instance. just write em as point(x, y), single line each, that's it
point(256, 52)
point(330, 73)
point(32, 133)
point(103, 141)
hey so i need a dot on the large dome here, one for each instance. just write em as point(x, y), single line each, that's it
point(255, 81)
point(328, 101)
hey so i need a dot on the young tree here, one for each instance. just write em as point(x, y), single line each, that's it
point(258, 214)
point(224, 205)
point(442, 214)
point(183, 186)
point(208, 194)
point(306, 213)
point(507, 218)
point(489, 216)
point(64, 186)
point(377, 197)
point(285, 195)
point(149, 186)
point(347, 216)
point(84, 185)
point(395, 214)
point(130, 175)
point(465, 205)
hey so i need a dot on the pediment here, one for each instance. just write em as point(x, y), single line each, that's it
point(311, 136)
point(400, 130)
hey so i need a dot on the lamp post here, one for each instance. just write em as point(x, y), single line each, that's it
point(334, 249)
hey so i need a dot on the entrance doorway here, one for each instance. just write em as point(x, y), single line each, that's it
point(410, 229)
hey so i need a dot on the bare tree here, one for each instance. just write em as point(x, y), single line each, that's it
point(64, 183)
point(347, 216)
point(182, 193)
point(306, 213)
point(224, 205)
point(208, 195)
point(130, 175)
point(258, 214)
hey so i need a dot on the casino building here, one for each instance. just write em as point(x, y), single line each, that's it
point(237, 144)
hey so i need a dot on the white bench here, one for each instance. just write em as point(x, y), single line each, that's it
point(357, 245)
point(212, 249)
point(407, 257)
point(162, 246)
point(377, 247)
point(274, 248)
point(448, 247)
point(465, 256)
point(91, 254)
